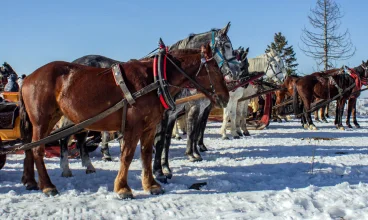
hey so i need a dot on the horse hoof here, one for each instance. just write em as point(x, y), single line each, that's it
point(341, 128)
point(246, 133)
point(106, 159)
point(305, 126)
point(126, 195)
point(178, 138)
point(225, 138)
point(184, 133)
point(67, 174)
point(236, 137)
point(239, 133)
point(157, 191)
point(325, 120)
point(50, 192)
point(90, 171)
point(357, 126)
point(195, 159)
point(349, 125)
point(32, 187)
point(202, 148)
point(312, 127)
point(160, 177)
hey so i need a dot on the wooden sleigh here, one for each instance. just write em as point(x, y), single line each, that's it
point(10, 129)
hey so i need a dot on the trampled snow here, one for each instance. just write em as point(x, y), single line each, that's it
point(265, 176)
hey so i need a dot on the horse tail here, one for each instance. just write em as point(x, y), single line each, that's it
point(297, 109)
point(26, 128)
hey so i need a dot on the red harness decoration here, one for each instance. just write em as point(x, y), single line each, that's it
point(358, 82)
point(355, 76)
point(155, 66)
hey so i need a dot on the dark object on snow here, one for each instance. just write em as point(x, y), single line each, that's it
point(197, 186)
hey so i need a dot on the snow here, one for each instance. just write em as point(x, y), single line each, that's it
point(265, 176)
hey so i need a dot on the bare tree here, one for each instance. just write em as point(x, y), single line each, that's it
point(325, 44)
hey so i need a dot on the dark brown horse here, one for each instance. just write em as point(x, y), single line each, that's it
point(362, 72)
point(81, 92)
point(317, 86)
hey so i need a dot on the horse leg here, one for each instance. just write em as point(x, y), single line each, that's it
point(239, 118)
point(350, 108)
point(306, 98)
point(175, 132)
point(28, 178)
point(81, 145)
point(165, 156)
point(225, 119)
point(341, 113)
point(243, 121)
point(105, 146)
point(45, 184)
point(128, 145)
point(192, 117)
point(327, 108)
point(336, 114)
point(316, 117)
point(323, 114)
point(354, 114)
point(64, 161)
point(148, 182)
point(159, 143)
point(233, 115)
point(202, 128)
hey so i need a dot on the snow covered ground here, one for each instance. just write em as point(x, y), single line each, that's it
point(265, 176)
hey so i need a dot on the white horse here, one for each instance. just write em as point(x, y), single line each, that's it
point(236, 112)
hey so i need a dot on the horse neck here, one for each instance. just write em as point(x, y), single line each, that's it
point(190, 65)
point(360, 71)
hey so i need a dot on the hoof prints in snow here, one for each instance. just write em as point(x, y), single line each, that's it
point(265, 176)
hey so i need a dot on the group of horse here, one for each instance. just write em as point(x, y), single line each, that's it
point(202, 63)
point(320, 88)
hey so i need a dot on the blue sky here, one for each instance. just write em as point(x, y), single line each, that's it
point(34, 33)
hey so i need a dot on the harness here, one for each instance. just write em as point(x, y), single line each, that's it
point(219, 56)
point(160, 80)
point(270, 59)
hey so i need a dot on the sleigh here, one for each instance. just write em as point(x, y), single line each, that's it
point(10, 130)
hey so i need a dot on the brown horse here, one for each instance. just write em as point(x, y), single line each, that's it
point(286, 90)
point(81, 92)
point(317, 86)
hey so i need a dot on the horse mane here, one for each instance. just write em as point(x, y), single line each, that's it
point(198, 39)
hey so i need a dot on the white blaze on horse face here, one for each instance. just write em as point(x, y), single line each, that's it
point(276, 70)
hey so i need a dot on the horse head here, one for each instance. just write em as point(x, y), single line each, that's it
point(275, 69)
point(224, 54)
point(242, 57)
point(364, 65)
point(6, 70)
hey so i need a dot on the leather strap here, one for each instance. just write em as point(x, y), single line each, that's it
point(119, 80)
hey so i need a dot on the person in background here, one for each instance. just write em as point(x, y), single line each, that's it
point(20, 80)
point(12, 85)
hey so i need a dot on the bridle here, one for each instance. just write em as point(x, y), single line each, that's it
point(365, 70)
point(163, 51)
point(269, 66)
point(218, 52)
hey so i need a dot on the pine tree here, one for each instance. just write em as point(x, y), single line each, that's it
point(280, 45)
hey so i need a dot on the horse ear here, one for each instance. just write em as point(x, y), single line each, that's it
point(225, 29)
point(247, 50)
